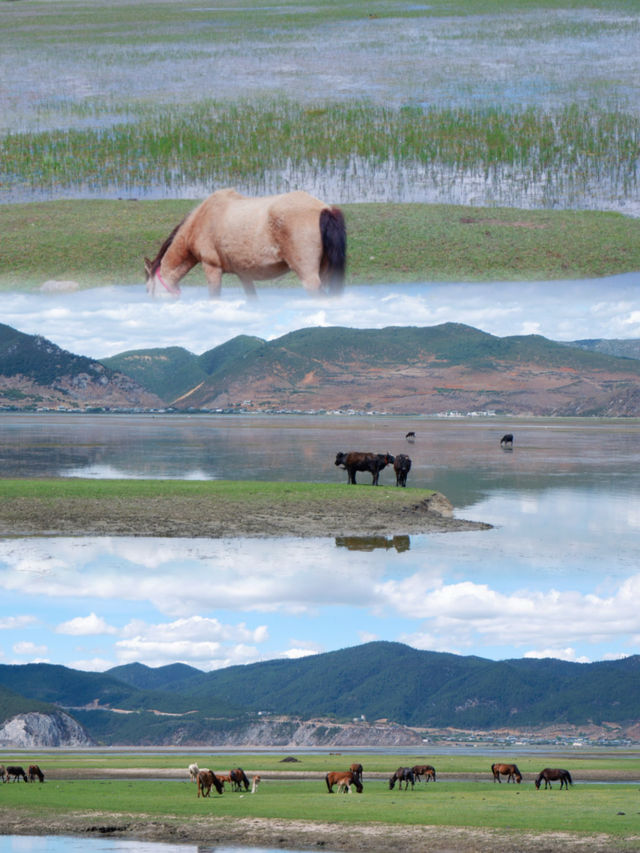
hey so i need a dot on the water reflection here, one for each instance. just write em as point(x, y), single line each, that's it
point(370, 543)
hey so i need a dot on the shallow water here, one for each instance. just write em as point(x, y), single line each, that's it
point(557, 575)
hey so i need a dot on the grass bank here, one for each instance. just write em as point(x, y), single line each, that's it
point(99, 243)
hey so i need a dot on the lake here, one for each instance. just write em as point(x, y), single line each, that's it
point(72, 844)
point(557, 574)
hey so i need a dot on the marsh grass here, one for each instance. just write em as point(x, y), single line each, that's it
point(552, 154)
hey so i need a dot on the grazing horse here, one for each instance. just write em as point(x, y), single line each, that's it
point(401, 466)
point(507, 440)
point(193, 772)
point(344, 779)
point(356, 460)
point(356, 769)
point(257, 239)
point(207, 778)
point(425, 770)
point(402, 774)
point(17, 773)
point(238, 779)
point(35, 773)
point(509, 770)
point(410, 436)
point(552, 774)
point(254, 784)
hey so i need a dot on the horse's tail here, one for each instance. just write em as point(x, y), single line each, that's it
point(326, 779)
point(569, 779)
point(333, 233)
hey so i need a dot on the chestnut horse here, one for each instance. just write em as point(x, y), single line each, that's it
point(425, 770)
point(553, 774)
point(509, 770)
point(257, 239)
point(35, 773)
point(344, 779)
point(356, 769)
point(238, 779)
point(207, 778)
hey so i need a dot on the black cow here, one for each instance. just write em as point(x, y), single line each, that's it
point(359, 461)
point(402, 466)
point(507, 440)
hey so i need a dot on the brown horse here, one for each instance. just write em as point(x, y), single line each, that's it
point(257, 239)
point(344, 780)
point(553, 774)
point(35, 773)
point(238, 779)
point(207, 778)
point(509, 770)
point(425, 770)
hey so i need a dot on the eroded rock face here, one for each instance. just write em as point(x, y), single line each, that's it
point(34, 729)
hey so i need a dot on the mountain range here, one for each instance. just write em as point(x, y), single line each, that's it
point(401, 370)
point(377, 681)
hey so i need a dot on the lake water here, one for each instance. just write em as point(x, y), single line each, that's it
point(557, 575)
point(72, 844)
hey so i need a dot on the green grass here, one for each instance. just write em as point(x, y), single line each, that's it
point(104, 242)
point(584, 809)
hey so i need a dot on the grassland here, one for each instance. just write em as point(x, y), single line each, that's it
point(99, 243)
point(298, 812)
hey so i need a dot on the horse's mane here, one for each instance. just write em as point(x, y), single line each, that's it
point(155, 264)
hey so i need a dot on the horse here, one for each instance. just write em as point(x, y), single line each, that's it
point(193, 772)
point(550, 774)
point(257, 239)
point(17, 773)
point(35, 773)
point(344, 780)
point(356, 769)
point(358, 460)
point(207, 778)
point(254, 784)
point(507, 440)
point(238, 779)
point(411, 436)
point(509, 770)
point(425, 770)
point(402, 774)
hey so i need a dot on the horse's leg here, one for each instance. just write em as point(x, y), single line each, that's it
point(249, 287)
point(214, 279)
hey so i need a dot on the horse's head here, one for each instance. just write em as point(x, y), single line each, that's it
point(538, 782)
point(156, 284)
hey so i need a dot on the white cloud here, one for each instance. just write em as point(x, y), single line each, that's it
point(568, 654)
point(205, 643)
point(92, 664)
point(85, 626)
point(15, 623)
point(28, 649)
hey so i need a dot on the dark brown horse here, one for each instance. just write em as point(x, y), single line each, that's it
point(35, 773)
point(509, 770)
point(402, 774)
point(356, 769)
point(239, 779)
point(553, 774)
point(426, 770)
point(344, 779)
point(257, 239)
point(206, 779)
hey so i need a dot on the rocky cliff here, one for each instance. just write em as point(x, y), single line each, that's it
point(36, 730)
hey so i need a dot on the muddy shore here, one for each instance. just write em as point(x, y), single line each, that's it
point(217, 518)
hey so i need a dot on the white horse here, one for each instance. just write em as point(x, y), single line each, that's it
point(193, 772)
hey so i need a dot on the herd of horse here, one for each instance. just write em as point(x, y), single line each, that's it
point(16, 773)
point(344, 781)
point(374, 463)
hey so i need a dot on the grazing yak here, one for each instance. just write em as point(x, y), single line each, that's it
point(402, 466)
point(359, 461)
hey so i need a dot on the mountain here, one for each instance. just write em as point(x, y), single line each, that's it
point(173, 371)
point(399, 369)
point(379, 680)
point(37, 374)
point(410, 370)
point(614, 346)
